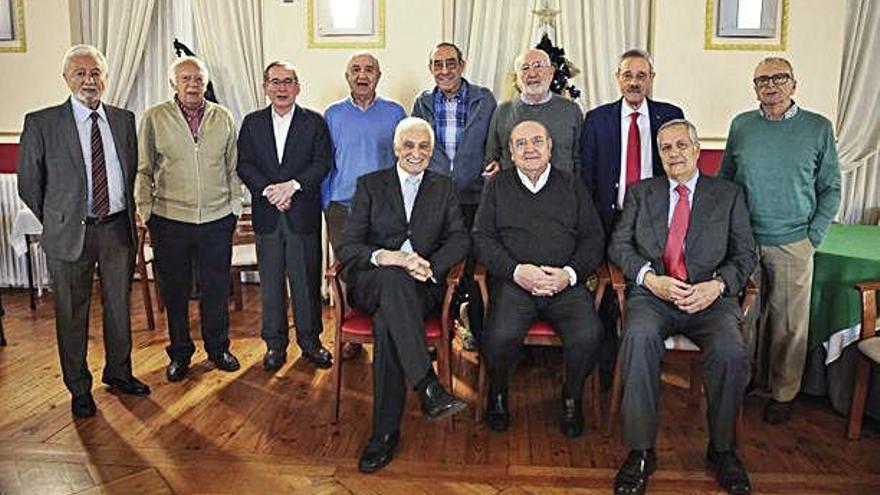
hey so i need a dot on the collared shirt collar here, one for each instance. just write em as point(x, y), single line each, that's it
point(626, 110)
point(83, 113)
point(542, 180)
point(354, 103)
point(791, 112)
point(691, 184)
point(287, 116)
point(191, 113)
point(402, 175)
point(460, 95)
point(543, 100)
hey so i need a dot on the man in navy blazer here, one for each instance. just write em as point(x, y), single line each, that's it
point(609, 134)
point(283, 156)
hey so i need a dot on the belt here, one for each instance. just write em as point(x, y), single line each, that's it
point(103, 220)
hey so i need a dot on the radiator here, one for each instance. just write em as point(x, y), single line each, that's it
point(13, 268)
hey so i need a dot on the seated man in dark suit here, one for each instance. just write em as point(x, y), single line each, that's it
point(685, 271)
point(404, 233)
point(538, 233)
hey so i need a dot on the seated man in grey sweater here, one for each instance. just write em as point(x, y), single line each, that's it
point(539, 235)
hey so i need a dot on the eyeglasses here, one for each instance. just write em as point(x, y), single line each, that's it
point(777, 79)
point(534, 65)
point(282, 82)
point(450, 64)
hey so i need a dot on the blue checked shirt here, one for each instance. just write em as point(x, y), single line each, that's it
point(450, 116)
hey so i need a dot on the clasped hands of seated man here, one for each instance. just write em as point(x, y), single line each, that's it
point(417, 267)
point(280, 194)
point(541, 280)
point(688, 298)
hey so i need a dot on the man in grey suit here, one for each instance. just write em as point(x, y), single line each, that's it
point(76, 173)
point(685, 267)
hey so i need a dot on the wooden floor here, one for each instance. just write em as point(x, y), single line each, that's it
point(257, 432)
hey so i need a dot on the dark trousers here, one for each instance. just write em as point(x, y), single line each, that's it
point(725, 363)
point(570, 313)
point(398, 304)
point(297, 257)
point(109, 246)
point(335, 215)
point(468, 290)
point(177, 246)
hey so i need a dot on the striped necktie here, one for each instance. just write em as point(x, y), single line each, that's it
point(100, 191)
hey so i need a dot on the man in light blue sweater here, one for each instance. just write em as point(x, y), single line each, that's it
point(786, 159)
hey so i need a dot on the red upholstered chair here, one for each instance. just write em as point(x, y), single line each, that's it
point(710, 161)
point(677, 346)
point(869, 353)
point(352, 325)
point(540, 333)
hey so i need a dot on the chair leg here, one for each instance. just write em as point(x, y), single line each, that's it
point(740, 428)
point(613, 409)
point(481, 388)
point(237, 300)
point(337, 374)
point(696, 384)
point(596, 398)
point(148, 299)
point(860, 393)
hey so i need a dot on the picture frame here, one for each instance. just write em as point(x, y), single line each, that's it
point(713, 41)
point(12, 33)
point(346, 23)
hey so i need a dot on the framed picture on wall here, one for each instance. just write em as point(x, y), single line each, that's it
point(760, 25)
point(346, 23)
point(12, 37)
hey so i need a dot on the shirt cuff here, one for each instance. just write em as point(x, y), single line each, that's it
point(296, 185)
point(572, 275)
point(515, 270)
point(264, 193)
point(640, 278)
point(374, 257)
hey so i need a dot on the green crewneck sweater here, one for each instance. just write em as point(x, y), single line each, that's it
point(790, 172)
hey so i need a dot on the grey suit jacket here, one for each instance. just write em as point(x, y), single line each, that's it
point(52, 174)
point(719, 239)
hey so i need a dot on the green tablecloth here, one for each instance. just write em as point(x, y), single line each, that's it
point(849, 254)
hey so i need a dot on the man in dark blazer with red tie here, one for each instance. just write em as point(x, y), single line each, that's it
point(283, 155)
point(685, 245)
point(404, 233)
point(618, 140)
point(76, 174)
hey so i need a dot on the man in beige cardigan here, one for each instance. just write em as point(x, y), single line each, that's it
point(188, 193)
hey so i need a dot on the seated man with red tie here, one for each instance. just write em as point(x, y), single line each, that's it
point(684, 271)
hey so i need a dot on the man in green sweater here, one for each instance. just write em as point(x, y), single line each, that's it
point(786, 159)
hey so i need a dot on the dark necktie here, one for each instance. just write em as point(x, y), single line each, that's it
point(633, 151)
point(100, 192)
point(673, 255)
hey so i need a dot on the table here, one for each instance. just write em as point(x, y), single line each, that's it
point(26, 231)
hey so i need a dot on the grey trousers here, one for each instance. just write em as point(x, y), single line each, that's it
point(109, 247)
point(725, 363)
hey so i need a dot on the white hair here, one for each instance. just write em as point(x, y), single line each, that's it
point(172, 69)
point(691, 128)
point(81, 51)
point(410, 124)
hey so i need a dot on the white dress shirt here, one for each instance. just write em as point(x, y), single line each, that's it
point(82, 115)
point(644, 124)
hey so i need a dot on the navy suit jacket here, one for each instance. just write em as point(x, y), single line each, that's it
point(306, 158)
point(600, 152)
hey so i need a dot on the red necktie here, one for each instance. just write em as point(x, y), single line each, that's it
point(633, 151)
point(100, 192)
point(673, 255)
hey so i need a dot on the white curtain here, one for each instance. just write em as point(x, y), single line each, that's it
point(593, 33)
point(858, 114)
point(230, 34)
point(173, 20)
point(119, 30)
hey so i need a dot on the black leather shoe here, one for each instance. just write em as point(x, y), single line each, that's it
point(320, 356)
point(130, 386)
point(177, 370)
point(729, 471)
point(572, 422)
point(776, 412)
point(83, 406)
point(274, 360)
point(437, 403)
point(497, 415)
point(378, 453)
point(225, 361)
point(632, 478)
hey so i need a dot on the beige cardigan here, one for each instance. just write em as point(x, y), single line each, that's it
point(181, 179)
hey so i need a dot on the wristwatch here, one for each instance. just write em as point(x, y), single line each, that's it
point(720, 282)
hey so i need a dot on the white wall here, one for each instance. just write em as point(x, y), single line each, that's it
point(712, 86)
point(33, 79)
point(412, 28)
